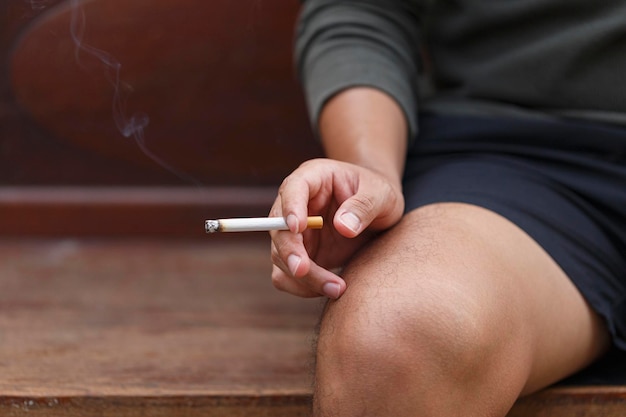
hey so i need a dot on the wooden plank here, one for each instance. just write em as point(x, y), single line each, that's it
point(125, 211)
point(184, 406)
point(581, 401)
point(174, 328)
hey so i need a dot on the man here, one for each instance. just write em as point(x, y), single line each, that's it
point(475, 182)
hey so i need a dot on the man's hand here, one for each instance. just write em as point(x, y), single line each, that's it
point(356, 204)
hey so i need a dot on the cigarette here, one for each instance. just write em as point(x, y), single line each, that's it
point(257, 224)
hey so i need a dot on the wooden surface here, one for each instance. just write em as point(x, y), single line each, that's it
point(129, 328)
point(582, 401)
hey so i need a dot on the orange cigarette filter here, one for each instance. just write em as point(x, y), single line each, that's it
point(315, 222)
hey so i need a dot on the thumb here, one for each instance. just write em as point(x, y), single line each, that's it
point(355, 214)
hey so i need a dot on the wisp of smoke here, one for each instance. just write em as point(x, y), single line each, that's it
point(133, 126)
point(37, 4)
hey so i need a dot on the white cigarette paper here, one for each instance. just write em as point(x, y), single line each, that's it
point(256, 224)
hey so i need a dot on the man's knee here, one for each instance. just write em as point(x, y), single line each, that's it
point(449, 305)
point(391, 342)
point(403, 331)
point(416, 337)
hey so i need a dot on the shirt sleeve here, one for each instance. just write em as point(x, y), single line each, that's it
point(348, 43)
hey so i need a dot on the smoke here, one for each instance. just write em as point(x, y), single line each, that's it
point(132, 126)
point(128, 126)
point(37, 5)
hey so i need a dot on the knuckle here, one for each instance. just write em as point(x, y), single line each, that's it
point(273, 253)
point(284, 185)
point(276, 209)
point(364, 203)
point(310, 163)
point(275, 257)
point(279, 281)
point(281, 246)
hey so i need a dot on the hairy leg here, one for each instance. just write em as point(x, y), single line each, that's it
point(454, 312)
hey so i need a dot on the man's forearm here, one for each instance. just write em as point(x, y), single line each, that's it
point(366, 127)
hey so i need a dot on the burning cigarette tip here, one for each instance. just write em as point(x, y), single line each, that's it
point(212, 226)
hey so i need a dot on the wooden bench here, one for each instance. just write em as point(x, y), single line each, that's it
point(113, 301)
point(112, 324)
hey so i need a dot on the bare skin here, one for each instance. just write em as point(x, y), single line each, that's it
point(358, 187)
point(452, 311)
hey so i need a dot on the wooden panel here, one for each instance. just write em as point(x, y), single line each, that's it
point(123, 328)
point(215, 79)
point(169, 406)
point(158, 212)
point(609, 401)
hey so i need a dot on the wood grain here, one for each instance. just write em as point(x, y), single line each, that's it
point(173, 328)
point(159, 212)
point(581, 401)
point(126, 328)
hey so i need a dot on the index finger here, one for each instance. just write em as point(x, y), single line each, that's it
point(293, 198)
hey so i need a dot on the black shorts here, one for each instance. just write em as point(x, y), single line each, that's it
point(562, 181)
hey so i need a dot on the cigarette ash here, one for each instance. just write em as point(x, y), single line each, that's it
point(212, 226)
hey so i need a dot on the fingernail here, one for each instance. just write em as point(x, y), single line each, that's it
point(292, 223)
point(293, 262)
point(331, 290)
point(351, 221)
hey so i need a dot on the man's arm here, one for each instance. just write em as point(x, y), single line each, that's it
point(341, 44)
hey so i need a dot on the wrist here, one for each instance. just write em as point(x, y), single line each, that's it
point(366, 127)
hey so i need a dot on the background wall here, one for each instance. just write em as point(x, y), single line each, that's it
point(195, 98)
point(149, 92)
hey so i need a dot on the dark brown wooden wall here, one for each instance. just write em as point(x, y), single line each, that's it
point(215, 78)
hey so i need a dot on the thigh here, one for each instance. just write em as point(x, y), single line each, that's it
point(562, 182)
point(455, 275)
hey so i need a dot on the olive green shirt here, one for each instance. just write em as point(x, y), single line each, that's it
point(523, 58)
